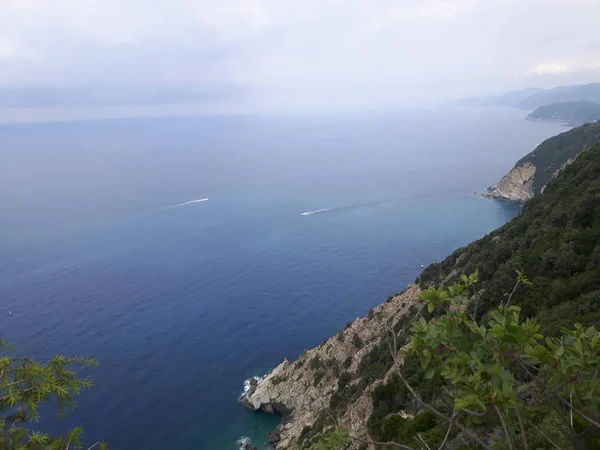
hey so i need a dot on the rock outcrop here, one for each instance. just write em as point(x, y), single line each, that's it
point(263, 395)
point(245, 444)
point(516, 186)
point(302, 390)
point(532, 172)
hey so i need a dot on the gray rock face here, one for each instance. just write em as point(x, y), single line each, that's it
point(263, 396)
point(302, 390)
point(516, 186)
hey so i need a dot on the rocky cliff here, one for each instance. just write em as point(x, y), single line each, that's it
point(301, 391)
point(516, 186)
point(347, 384)
point(532, 172)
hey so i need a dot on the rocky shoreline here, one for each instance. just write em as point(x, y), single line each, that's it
point(514, 187)
point(299, 391)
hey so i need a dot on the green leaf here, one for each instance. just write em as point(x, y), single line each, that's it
point(430, 307)
point(494, 370)
point(591, 332)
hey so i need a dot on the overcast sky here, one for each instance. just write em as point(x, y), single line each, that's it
point(299, 54)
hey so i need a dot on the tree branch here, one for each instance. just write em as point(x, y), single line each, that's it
point(418, 398)
point(511, 295)
point(542, 433)
point(454, 417)
point(522, 428)
point(572, 408)
point(505, 428)
point(424, 443)
point(478, 414)
point(335, 422)
point(384, 444)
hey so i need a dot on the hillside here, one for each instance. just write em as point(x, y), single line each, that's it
point(348, 381)
point(510, 99)
point(530, 99)
point(555, 240)
point(585, 92)
point(573, 113)
point(531, 173)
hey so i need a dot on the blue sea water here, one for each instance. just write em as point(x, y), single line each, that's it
point(180, 303)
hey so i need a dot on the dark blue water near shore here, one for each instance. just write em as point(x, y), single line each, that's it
point(181, 303)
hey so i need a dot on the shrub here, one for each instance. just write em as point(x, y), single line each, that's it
point(343, 380)
point(347, 362)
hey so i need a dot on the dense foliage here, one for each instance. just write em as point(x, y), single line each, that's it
point(24, 385)
point(502, 369)
point(510, 360)
point(553, 153)
point(555, 239)
point(574, 113)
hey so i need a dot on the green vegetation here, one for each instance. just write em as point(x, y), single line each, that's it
point(554, 152)
point(343, 380)
point(26, 384)
point(556, 239)
point(333, 440)
point(357, 341)
point(503, 366)
point(574, 113)
point(490, 363)
point(495, 383)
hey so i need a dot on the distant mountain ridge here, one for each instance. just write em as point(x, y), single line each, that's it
point(510, 99)
point(561, 94)
point(531, 98)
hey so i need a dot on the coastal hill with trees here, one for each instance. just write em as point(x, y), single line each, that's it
point(572, 113)
point(495, 347)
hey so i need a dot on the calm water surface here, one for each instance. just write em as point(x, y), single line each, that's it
point(180, 302)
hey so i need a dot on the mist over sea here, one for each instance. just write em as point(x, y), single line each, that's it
point(188, 254)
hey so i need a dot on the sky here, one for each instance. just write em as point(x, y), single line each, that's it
point(288, 55)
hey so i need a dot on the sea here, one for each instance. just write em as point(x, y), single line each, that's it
point(187, 254)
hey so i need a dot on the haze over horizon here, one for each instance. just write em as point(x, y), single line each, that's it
point(240, 56)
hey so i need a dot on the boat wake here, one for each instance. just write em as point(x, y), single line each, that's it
point(198, 200)
point(316, 211)
point(380, 202)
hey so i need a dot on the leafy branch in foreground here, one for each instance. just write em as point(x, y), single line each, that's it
point(24, 385)
point(504, 367)
point(501, 384)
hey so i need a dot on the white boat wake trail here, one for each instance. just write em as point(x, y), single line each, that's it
point(198, 200)
point(316, 211)
point(380, 202)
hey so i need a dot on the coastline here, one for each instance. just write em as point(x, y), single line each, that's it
point(299, 391)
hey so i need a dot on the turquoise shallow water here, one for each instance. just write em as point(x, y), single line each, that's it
point(181, 303)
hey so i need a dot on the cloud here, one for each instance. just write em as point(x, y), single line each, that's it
point(549, 68)
point(574, 66)
point(278, 54)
